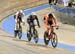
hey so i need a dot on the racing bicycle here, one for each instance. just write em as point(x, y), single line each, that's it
point(33, 33)
point(51, 35)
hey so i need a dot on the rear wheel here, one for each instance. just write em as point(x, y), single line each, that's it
point(46, 39)
point(36, 36)
point(28, 36)
point(20, 33)
point(15, 33)
point(54, 40)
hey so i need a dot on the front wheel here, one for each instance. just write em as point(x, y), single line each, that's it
point(46, 39)
point(20, 34)
point(28, 36)
point(15, 33)
point(54, 40)
point(36, 36)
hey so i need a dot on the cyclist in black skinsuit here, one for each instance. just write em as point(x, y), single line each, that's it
point(30, 21)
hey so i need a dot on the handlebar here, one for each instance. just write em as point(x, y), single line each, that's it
point(57, 27)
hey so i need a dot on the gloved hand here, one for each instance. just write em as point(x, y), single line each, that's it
point(57, 27)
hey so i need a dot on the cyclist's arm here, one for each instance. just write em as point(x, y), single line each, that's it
point(37, 21)
point(28, 19)
point(23, 14)
point(46, 22)
point(23, 17)
point(15, 17)
point(55, 21)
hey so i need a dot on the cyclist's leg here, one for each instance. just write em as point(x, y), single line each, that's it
point(15, 30)
point(20, 25)
point(48, 30)
point(29, 28)
point(46, 35)
point(33, 29)
point(16, 26)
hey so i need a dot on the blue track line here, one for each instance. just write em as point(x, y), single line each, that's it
point(8, 26)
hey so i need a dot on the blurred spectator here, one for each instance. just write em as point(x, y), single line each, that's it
point(70, 4)
point(50, 1)
point(67, 3)
point(60, 1)
point(55, 2)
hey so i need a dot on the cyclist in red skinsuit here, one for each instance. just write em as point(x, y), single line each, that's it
point(50, 20)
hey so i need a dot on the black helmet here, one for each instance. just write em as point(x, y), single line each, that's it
point(50, 15)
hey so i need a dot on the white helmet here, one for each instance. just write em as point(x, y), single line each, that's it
point(21, 11)
point(33, 13)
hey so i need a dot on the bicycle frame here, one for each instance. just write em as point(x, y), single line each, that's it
point(33, 29)
point(51, 30)
point(51, 36)
point(32, 33)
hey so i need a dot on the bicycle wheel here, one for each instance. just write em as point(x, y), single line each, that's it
point(15, 33)
point(46, 39)
point(29, 36)
point(20, 33)
point(54, 40)
point(36, 36)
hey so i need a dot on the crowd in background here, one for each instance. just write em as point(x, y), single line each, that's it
point(66, 3)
